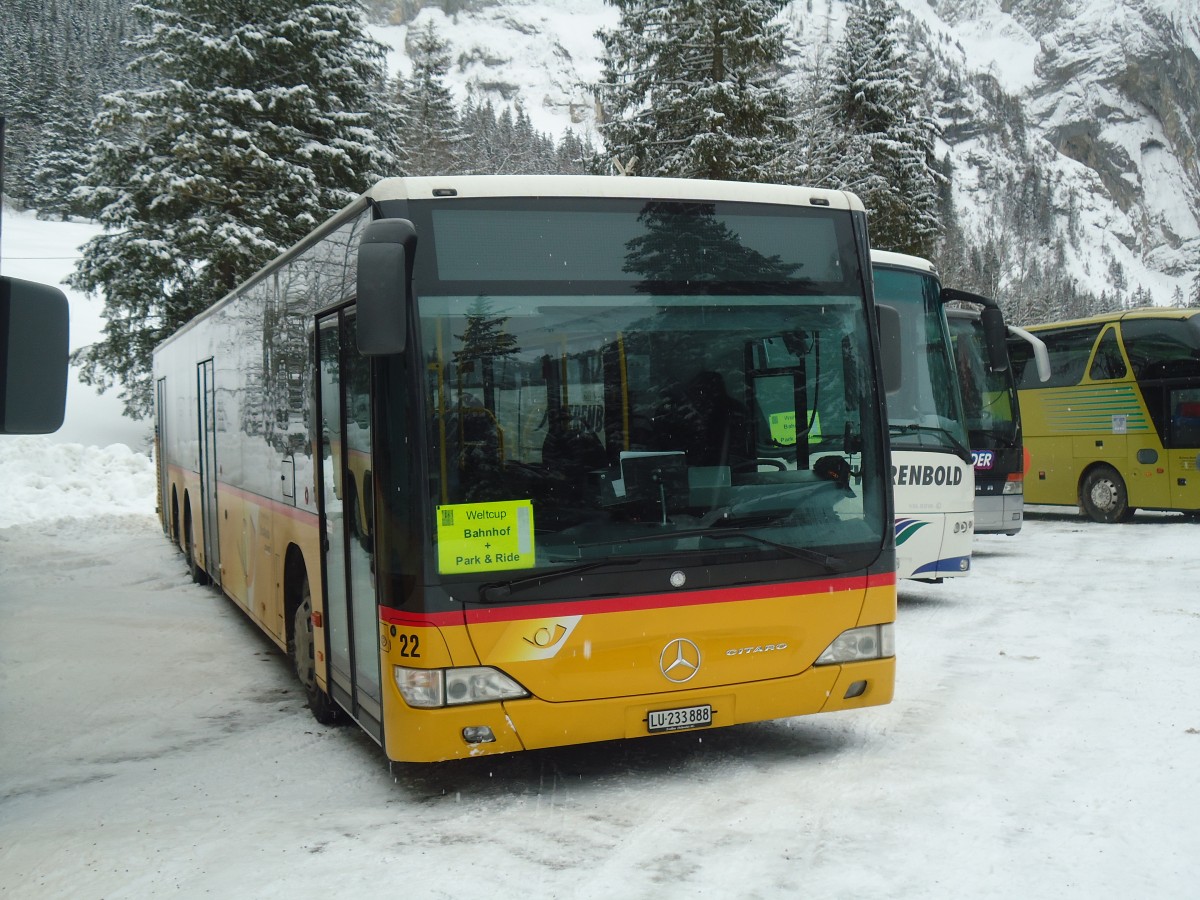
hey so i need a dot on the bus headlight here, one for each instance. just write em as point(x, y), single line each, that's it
point(1014, 487)
point(431, 688)
point(857, 644)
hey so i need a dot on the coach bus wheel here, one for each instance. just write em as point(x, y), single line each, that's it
point(303, 653)
point(1103, 496)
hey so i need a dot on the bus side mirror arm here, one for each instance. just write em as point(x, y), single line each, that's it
point(384, 285)
point(1041, 357)
point(34, 330)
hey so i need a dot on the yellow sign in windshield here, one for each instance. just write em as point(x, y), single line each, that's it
point(783, 428)
point(483, 537)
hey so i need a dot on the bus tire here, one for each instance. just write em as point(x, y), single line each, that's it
point(197, 574)
point(302, 649)
point(1103, 496)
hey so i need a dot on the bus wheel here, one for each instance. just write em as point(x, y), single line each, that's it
point(198, 575)
point(1103, 496)
point(303, 653)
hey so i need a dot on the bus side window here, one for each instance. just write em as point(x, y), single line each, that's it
point(1019, 354)
point(1161, 348)
point(1108, 363)
point(1069, 351)
point(1185, 418)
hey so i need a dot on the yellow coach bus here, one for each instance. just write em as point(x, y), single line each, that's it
point(516, 462)
point(1116, 427)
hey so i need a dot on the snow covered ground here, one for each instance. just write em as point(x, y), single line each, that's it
point(1043, 741)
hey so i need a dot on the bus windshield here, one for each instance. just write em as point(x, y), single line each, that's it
point(925, 412)
point(661, 383)
point(989, 397)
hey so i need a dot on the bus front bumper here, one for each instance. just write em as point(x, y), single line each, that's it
point(441, 734)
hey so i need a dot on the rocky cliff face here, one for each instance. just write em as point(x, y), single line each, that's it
point(1118, 90)
point(1096, 100)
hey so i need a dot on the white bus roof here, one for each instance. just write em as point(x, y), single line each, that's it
point(902, 260)
point(436, 186)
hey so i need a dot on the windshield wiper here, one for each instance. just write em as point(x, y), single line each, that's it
point(830, 563)
point(913, 427)
point(497, 591)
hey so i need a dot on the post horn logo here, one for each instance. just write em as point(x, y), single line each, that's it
point(680, 660)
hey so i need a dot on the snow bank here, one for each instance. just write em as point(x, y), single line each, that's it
point(42, 481)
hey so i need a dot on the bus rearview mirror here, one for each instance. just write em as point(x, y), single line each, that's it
point(888, 318)
point(34, 330)
point(995, 335)
point(384, 285)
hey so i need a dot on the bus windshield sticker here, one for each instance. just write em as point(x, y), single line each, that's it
point(783, 428)
point(484, 537)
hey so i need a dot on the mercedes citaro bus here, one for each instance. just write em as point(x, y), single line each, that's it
point(517, 462)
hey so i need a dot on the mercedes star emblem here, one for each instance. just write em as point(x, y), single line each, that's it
point(680, 660)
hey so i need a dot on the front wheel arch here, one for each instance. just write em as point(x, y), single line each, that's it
point(198, 575)
point(174, 524)
point(301, 641)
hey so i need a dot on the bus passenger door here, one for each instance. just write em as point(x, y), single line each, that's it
point(206, 394)
point(345, 472)
point(1183, 453)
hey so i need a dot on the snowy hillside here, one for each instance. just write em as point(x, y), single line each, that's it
point(1097, 99)
point(544, 53)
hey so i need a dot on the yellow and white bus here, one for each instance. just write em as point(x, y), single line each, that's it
point(1116, 426)
point(517, 462)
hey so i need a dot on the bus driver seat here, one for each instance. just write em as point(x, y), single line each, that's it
point(570, 447)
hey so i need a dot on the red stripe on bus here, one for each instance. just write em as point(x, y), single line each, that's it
point(397, 617)
point(277, 506)
point(632, 604)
